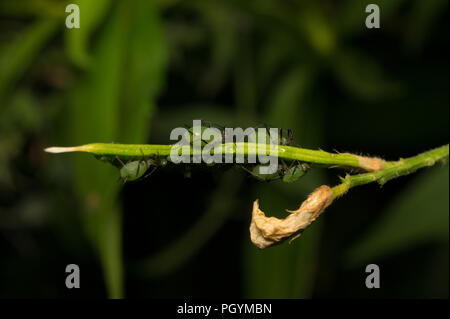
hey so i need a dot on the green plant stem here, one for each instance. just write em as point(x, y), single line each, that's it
point(382, 173)
point(128, 151)
point(392, 170)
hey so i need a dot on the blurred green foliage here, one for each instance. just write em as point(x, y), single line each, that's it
point(136, 69)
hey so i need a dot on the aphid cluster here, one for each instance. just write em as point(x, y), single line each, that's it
point(134, 169)
point(288, 173)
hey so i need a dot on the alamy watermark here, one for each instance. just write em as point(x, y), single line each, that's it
point(209, 144)
point(73, 277)
point(373, 279)
point(73, 17)
point(373, 19)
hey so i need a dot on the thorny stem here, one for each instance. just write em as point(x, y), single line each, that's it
point(269, 231)
point(392, 170)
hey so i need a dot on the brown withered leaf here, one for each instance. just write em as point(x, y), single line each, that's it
point(269, 231)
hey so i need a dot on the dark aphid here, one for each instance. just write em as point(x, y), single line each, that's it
point(289, 174)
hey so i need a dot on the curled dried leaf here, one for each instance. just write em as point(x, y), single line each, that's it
point(269, 231)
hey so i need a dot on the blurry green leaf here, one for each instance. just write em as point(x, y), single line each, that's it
point(419, 214)
point(288, 108)
point(144, 70)
point(35, 8)
point(104, 107)
point(363, 77)
point(20, 113)
point(25, 114)
point(93, 115)
point(77, 40)
point(271, 56)
point(318, 31)
point(221, 22)
point(19, 116)
point(19, 54)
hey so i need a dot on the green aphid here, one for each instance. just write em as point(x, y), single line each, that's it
point(294, 173)
point(289, 174)
point(134, 170)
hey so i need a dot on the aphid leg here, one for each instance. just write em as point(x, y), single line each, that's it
point(123, 165)
point(151, 172)
point(118, 159)
point(294, 164)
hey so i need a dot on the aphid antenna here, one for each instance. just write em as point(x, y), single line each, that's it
point(123, 165)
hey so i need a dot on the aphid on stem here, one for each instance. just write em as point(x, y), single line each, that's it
point(289, 174)
point(137, 169)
